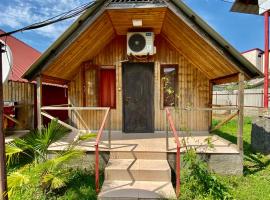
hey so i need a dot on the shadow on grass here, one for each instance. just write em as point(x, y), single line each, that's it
point(80, 186)
point(253, 162)
point(20, 161)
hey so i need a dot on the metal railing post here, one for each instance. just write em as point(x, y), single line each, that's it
point(178, 145)
point(110, 131)
point(178, 160)
point(97, 168)
point(167, 132)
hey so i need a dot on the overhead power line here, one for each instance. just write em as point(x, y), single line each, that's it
point(67, 15)
point(61, 17)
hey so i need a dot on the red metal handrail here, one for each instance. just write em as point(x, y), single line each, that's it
point(97, 148)
point(174, 132)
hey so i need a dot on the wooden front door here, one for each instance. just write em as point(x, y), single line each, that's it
point(138, 97)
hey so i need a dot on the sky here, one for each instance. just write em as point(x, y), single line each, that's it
point(243, 31)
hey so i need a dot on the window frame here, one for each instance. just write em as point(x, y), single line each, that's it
point(176, 88)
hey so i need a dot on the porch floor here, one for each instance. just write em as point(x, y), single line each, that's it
point(151, 142)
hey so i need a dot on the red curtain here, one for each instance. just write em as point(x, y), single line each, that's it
point(107, 88)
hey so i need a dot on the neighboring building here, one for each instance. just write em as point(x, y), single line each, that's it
point(19, 94)
point(256, 57)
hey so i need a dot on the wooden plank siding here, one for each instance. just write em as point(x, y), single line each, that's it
point(195, 48)
point(152, 19)
point(193, 88)
point(89, 43)
point(192, 44)
point(23, 94)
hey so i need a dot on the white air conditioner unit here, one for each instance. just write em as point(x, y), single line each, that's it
point(140, 43)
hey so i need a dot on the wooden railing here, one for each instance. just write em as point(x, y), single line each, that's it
point(178, 146)
point(100, 132)
point(99, 135)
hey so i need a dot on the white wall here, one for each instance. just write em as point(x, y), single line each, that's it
point(255, 57)
point(252, 97)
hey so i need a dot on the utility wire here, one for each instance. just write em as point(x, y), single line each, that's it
point(61, 17)
point(67, 15)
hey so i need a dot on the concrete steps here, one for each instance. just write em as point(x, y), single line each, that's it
point(138, 155)
point(128, 190)
point(137, 175)
point(139, 170)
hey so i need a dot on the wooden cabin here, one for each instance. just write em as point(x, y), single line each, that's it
point(91, 58)
point(152, 64)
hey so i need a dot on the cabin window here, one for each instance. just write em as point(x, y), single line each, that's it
point(169, 84)
point(107, 88)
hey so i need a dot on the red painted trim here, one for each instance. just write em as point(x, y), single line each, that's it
point(266, 62)
point(258, 49)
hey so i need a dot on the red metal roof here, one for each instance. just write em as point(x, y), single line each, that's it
point(23, 57)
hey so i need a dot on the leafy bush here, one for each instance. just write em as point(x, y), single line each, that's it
point(80, 185)
point(199, 182)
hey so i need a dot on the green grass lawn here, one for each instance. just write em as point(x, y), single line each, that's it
point(255, 184)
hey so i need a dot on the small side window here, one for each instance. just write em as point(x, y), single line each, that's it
point(169, 84)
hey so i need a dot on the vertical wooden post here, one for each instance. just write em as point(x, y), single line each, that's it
point(3, 173)
point(240, 112)
point(210, 114)
point(83, 86)
point(39, 102)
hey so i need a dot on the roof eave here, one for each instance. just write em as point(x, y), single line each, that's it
point(33, 71)
point(243, 64)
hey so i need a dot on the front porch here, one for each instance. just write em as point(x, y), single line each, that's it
point(151, 142)
point(139, 165)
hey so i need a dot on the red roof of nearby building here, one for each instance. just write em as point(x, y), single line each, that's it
point(23, 57)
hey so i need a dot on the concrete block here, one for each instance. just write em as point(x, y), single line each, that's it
point(223, 164)
point(260, 135)
point(226, 164)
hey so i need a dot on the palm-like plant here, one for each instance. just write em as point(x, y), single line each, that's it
point(36, 143)
point(48, 174)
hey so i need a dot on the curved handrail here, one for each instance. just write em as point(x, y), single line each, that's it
point(178, 146)
point(100, 132)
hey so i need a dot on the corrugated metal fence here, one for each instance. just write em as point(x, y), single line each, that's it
point(253, 98)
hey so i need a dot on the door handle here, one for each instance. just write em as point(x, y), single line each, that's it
point(127, 99)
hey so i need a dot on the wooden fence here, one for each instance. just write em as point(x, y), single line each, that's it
point(23, 94)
